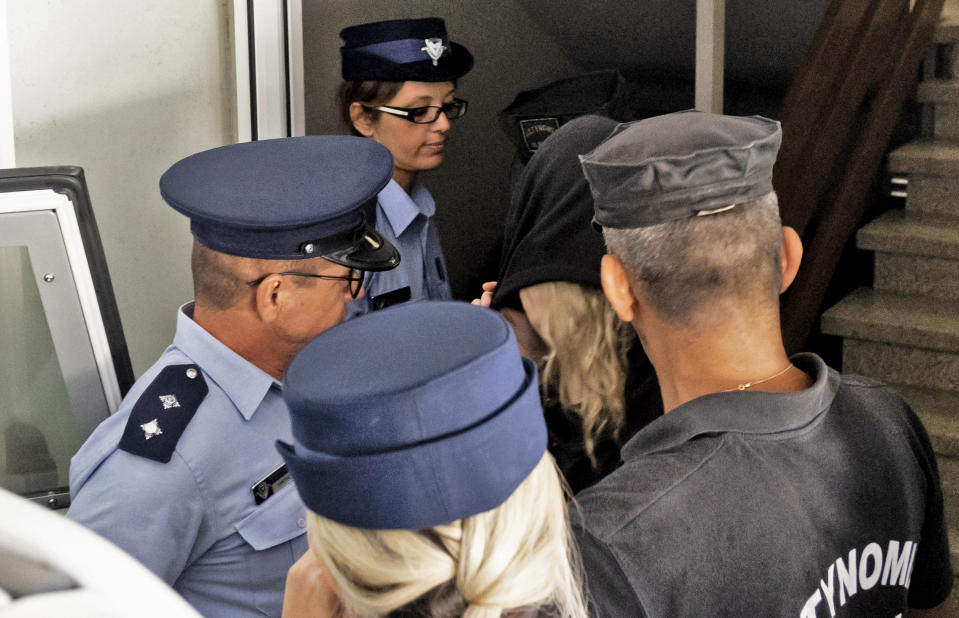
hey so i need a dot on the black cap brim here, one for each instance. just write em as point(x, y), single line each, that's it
point(365, 250)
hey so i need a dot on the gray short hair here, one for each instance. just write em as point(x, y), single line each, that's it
point(219, 280)
point(685, 264)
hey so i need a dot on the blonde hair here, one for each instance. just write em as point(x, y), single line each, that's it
point(519, 554)
point(586, 364)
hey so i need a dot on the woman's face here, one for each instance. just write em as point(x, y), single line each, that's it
point(415, 147)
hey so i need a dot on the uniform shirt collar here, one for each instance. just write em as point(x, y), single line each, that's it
point(401, 207)
point(745, 412)
point(241, 381)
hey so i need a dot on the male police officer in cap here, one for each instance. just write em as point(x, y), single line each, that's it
point(773, 486)
point(185, 476)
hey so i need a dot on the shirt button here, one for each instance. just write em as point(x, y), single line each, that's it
point(301, 522)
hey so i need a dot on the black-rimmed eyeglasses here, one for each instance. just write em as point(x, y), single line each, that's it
point(355, 277)
point(426, 114)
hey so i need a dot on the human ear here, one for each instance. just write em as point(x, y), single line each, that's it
point(268, 298)
point(616, 286)
point(361, 119)
point(790, 256)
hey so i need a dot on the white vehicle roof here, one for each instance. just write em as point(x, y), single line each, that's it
point(51, 566)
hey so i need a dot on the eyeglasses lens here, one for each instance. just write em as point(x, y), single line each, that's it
point(454, 109)
point(427, 115)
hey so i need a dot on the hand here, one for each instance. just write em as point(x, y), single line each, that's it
point(310, 589)
point(487, 297)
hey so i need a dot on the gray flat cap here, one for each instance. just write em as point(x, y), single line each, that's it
point(680, 165)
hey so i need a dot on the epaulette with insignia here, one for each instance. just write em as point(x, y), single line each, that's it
point(163, 411)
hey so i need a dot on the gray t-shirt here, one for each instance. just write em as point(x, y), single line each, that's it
point(824, 502)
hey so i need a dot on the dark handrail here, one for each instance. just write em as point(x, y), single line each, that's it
point(845, 151)
point(814, 87)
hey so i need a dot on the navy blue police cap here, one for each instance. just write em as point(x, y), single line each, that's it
point(412, 417)
point(401, 50)
point(680, 165)
point(287, 199)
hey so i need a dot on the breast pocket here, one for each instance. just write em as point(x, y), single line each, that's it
point(275, 532)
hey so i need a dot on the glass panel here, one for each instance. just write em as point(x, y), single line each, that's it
point(38, 432)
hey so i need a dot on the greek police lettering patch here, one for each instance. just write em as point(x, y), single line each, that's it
point(163, 411)
point(536, 130)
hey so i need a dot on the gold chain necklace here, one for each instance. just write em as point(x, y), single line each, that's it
point(746, 385)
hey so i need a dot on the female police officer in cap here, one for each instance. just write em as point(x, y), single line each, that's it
point(400, 81)
point(429, 489)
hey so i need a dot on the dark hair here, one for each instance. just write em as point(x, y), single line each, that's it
point(368, 93)
point(220, 280)
point(215, 282)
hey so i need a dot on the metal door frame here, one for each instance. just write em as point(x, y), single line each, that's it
point(268, 56)
point(82, 282)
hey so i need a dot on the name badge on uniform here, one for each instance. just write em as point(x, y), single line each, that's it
point(388, 299)
point(270, 484)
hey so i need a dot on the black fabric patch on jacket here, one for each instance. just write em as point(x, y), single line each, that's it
point(163, 411)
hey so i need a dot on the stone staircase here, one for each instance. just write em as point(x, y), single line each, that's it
point(905, 330)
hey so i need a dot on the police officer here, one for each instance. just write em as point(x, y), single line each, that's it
point(399, 90)
point(185, 476)
point(429, 488)
point(772, 486)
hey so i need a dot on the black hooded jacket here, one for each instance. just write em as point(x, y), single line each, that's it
point(549, 237)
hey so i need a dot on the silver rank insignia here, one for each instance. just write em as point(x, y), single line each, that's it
point(169, 401)
point(173, 397)
point(434, 48)
point(151, 429)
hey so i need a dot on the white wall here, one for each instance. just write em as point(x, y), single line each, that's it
point(124, 89)
point(7, 158)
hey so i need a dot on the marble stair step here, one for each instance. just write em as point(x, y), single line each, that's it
point(947, 33)
point(939, 412)
point(897, 364)
point(926, 156)
point(931, 164)
point(954, 553)
point(938, 91)
point(932, 195)
point(915, 254)
point(897, 231)
point(942, 96)
point(919, 322)
point(949, 477)
point(948, 29)
point(912, 274)
point(932, 168)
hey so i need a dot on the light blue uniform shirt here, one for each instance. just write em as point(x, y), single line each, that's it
point(406, 221)
point(193, 521)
